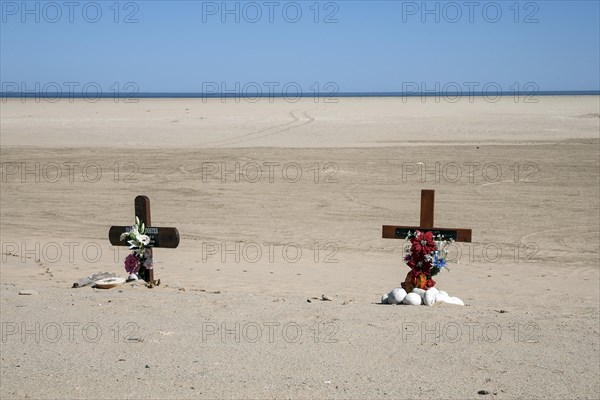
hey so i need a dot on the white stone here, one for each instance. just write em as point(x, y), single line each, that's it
point(429, 298)
point(413, 299)
point(396, 296)
point(418, 291)
point(442, 297)
point(433, 290)
point(457, 301)
point(384, 299)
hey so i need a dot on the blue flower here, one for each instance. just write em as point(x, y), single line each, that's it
point(438, 261)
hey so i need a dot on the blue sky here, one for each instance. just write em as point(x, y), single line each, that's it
point(371, 46)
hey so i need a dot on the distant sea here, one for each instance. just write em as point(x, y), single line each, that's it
point(151, 95)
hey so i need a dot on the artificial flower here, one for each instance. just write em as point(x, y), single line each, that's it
point(132, 264)
point(424, 259)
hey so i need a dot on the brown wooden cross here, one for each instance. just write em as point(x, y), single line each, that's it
point(426, 225)
point(159, 237)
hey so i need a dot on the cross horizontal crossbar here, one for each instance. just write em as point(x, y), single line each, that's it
point(159, 237)
point(401, 232)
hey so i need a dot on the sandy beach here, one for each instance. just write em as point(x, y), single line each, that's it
point(277, 204)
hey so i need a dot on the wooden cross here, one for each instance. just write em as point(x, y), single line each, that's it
point(426, 225)
point(159, 237)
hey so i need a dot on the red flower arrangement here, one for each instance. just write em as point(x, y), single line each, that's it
point(424, 260)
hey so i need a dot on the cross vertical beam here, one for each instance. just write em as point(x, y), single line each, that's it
point(142, 211)
point(427, 208)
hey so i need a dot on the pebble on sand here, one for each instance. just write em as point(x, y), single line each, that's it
point(396, 296)
point(28, 292)
point(413, 299)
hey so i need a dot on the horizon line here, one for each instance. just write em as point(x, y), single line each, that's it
point(133, 95)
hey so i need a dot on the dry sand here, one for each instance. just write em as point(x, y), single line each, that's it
point(218, 327)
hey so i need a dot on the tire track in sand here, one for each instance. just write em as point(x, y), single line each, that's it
point(266, 132)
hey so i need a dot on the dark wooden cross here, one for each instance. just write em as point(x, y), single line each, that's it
point(159, 237)
point(426, 225)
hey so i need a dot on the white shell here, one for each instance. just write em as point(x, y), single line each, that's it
point(413, 299)
point(384, 299)
point(429, 298)
point(444, 293)
point(109, 283)
point(396, 296)
point(418, 291)
point(132, 277)
point(433, 290)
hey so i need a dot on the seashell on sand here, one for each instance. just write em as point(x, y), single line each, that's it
point(384, 299)
point(396, 296)
point(413, 299)
point(429, 298)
